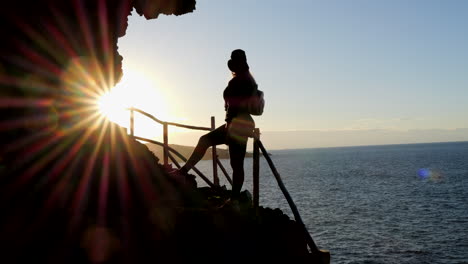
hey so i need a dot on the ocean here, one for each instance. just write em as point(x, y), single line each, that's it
point(375, 204)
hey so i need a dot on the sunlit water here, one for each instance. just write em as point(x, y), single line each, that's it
point(376, 204)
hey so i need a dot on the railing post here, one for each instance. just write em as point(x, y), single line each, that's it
point(256, 169)
point(166, 144)
point(132, 122)
point(214, 156)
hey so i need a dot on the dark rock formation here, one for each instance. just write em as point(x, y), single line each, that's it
point(57, 56)
point(110, 201)
point(75, 188)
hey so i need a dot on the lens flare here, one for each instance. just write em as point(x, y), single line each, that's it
point(106, 105)
point(429, 175)
point(424, 173)
point(54, 112)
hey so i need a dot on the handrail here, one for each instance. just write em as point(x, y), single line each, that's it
point(223, 170)
point(168, 123)
point(323, 256)
point(165, 124)
point(178, 155)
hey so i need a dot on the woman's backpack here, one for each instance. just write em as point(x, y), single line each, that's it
point(256, 103)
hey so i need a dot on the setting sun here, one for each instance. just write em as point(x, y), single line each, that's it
point(139, 91)
point(110, 106)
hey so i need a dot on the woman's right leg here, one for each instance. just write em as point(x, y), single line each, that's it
point(215, 137)
point(240, 129)
point(237, 149)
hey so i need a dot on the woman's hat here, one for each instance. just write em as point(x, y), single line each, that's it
point(238, 61)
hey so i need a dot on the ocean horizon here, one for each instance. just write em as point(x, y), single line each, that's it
point(372, 145)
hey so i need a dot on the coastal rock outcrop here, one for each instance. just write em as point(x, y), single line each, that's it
point(75, 188)
point(57, 57)
point(110, 201)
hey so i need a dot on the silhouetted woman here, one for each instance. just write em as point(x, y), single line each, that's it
point(239, 123)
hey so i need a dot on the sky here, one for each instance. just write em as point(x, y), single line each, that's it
point(329, 69)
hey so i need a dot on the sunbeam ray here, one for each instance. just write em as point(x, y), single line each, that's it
point(78, 200)
point(103, 188)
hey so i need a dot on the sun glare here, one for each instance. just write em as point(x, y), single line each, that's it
point(139, 91)
point(107, 105)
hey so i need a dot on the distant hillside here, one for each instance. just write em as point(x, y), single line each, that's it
point(186, 151)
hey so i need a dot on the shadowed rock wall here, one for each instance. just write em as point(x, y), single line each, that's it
point(77, 189)
point(57, 56)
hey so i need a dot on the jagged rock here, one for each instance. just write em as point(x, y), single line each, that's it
point(128, 204)
point(74, 190)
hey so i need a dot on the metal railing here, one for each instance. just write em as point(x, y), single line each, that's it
point(321, 256)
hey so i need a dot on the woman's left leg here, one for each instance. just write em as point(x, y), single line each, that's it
point(215, 137)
